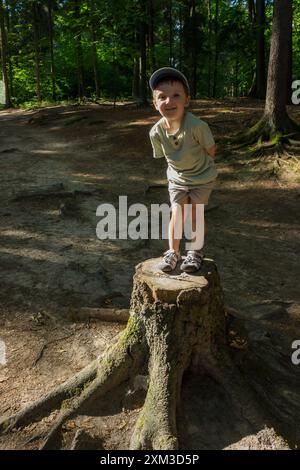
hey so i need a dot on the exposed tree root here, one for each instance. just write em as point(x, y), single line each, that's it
point(92, 382)
point(176, 323)
point(41, 407)
point(266, 130)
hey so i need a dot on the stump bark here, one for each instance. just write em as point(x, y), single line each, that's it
point(177, 322)
point(184, 323)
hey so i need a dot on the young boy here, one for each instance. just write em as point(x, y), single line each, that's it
point(189, 148)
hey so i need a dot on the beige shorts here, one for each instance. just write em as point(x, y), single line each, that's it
point(198, 194)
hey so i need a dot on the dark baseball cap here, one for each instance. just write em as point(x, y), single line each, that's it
point(166, 73)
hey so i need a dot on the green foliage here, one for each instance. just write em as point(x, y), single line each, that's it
point(105, 35)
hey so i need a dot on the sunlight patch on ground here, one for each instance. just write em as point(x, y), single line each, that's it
point(91, 177)
point(23, 234)
point(34, 254)
point(44, 152)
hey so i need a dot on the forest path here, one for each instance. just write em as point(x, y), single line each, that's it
point(52, 263)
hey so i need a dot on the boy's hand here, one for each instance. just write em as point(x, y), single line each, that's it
point(212, 151)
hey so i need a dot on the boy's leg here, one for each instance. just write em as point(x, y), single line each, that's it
point(172, 256)
point(176, 224)
point(194, 256)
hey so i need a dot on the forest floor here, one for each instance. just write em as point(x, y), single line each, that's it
point(52, 265)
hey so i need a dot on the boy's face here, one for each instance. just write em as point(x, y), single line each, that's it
point(171, 100)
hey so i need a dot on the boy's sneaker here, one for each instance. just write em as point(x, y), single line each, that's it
point(193, 261)
point(169, 261)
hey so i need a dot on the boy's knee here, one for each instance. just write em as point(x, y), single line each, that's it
point(177, 209)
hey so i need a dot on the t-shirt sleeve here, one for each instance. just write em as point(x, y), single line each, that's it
point(203, 135)
point(156, 145)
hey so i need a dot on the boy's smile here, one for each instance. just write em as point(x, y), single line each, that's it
point(171, 101)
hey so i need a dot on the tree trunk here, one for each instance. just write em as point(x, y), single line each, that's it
point(4, 57)
point(184, 325)
point(136, 78)
point(209, 48)
point(177, 323)
point(289, 80)
point(36, 40)
point(276, 124)
point(194, 47)
point(94, 48)
point(142, 63)
point(7, 18)
point(170, 22)
point(251, 9)
point(236, 74)
point(216, 58)
point(50, 26)
point(152, 58)
point(275, 107)
point(260, 50)
point(79, 54)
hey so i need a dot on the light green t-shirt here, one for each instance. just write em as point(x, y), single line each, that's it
point(185, 151)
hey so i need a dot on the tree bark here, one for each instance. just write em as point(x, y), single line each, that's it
point(152, 58)
point(275, 124)
point(194, 49)
point(260, 50)
point(4, 57)
point(170, 22)
point(216, 58)
point(50, 26)
point(289, 45)
point(181, 29)
point(79, 54)
point(136, 78)
point(177, 323)
point(275, 107)
point(94, 48)
point(209, 47)
point(36, 42)
point(143, 61)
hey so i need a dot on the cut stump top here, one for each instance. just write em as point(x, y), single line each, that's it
point(167, 286)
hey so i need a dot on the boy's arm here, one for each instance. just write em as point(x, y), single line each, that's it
point(212, 151)
point(205, 138)
point(156, 145)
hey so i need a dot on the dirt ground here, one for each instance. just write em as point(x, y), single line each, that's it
point(56, 166)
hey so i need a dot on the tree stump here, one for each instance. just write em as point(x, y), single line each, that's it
point(177, 322)
point(183, 320)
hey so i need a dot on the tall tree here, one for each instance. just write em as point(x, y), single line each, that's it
point(143, 59)
point(36, 43)
point(141, 65)
point(194, 48)
point(260, 49)
point(152, 58)
point(50, 27)
point(94, 46)
point(258, 18)
point(78, 47)
point(289, 78)
point(4, 56)
point(275, 120)
point(192, 43)
point(216, 58)
point(7, 18)
point(209, 6)
point(136, 66)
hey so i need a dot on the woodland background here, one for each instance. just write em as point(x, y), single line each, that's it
point(99, 49)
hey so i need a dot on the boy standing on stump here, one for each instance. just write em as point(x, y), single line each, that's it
point(189, 148)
